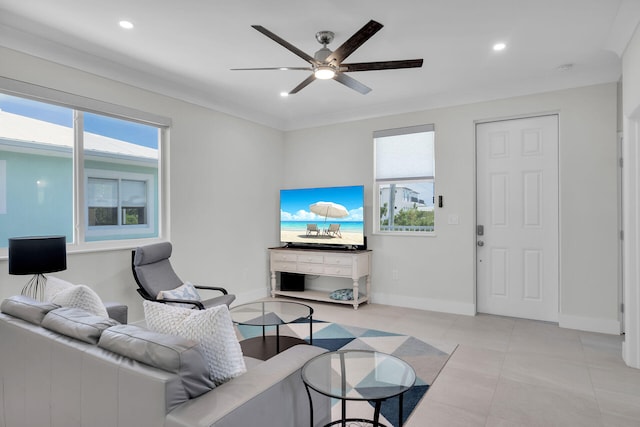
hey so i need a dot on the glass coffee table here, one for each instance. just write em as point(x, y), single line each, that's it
point(358, 375)
point(271, 313)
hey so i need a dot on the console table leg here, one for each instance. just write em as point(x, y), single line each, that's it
point(273, 284)
point(356, 295)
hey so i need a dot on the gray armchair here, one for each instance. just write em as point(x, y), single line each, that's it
point(153, 273)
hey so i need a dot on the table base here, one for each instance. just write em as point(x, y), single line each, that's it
point(264, 348)
point(355, 420)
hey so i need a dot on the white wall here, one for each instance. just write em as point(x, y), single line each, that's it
point(225, 174)
point(631, 197)
point(438, 273)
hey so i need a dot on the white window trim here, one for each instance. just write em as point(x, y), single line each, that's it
point(3, 187)
point(376, 182)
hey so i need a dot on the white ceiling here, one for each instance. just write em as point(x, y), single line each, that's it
point(185, 49)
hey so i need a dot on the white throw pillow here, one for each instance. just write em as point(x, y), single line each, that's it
point(185, 292)
point(211, 328)
point(54, 286)
point(81, 296)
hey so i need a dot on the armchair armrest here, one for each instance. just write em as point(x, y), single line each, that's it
point(195, 303)
point(213, 288)
point(117, 311)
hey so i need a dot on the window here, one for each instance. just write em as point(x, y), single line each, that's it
point(404, 180)
point(117, 204)
point(85, 175)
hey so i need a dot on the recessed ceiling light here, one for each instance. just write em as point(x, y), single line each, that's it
point(127, 25)
point(284, 94)
point(499, 46)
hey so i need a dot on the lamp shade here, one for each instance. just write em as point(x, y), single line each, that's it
point(37, 255)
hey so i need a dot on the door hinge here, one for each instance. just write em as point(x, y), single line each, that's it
point(621, 162)
point(621, 307)
point(621, 234)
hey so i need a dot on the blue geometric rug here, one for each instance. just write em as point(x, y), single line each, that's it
point(426, 359)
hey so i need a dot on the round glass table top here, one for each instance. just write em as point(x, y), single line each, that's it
point(358, 375)
point(269, 313)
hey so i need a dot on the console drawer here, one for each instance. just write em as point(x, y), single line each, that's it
point(311, 258)
point(284, 266)
point(338, 271)
point(308, 268)
point(283, 256)
point(338, 260)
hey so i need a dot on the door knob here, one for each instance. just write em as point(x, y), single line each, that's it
point(480, 243)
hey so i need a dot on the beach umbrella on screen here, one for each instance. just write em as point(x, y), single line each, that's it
point(329, 210)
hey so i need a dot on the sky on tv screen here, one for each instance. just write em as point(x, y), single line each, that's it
point(295, 203)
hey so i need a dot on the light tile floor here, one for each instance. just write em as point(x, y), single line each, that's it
point(511, 372)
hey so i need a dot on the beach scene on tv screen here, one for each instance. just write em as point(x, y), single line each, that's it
point(332, 215)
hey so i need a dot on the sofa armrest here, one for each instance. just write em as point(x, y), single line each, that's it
point(270, 394)
point(117, 311)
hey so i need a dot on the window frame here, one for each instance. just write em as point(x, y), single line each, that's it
point(81, 104)
point(400, 181)
point(119, 229)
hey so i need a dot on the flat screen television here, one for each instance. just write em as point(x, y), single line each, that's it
point(323, 217)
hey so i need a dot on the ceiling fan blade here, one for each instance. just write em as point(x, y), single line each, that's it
point(273, 68)
point(381, 65)
point(302, 85)
point(352, 83)
point(310, 59)
point(356, 40)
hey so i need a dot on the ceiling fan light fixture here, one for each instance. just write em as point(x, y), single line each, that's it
point(499, 46)
point(127, 25)
point(324, 72)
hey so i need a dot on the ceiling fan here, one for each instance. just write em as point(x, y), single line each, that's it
point(326, 64)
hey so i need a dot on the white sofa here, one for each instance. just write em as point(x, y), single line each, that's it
point(66, 367)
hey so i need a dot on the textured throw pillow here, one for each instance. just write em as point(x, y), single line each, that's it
point(80, 296)
point(211, 328)
point(54, 286)
point(186, 292)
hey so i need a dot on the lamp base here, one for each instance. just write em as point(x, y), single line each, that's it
point(35, 287)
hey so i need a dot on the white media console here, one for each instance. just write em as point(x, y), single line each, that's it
point(334, 263)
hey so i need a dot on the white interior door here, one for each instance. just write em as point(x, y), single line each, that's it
point(517, 218)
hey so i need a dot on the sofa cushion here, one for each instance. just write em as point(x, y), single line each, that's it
point(26, 308)
point(211, 328)
point(77, 323)
point(167, 352)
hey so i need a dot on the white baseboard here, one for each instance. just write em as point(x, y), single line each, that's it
point(590, 324)
point(443, 306)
